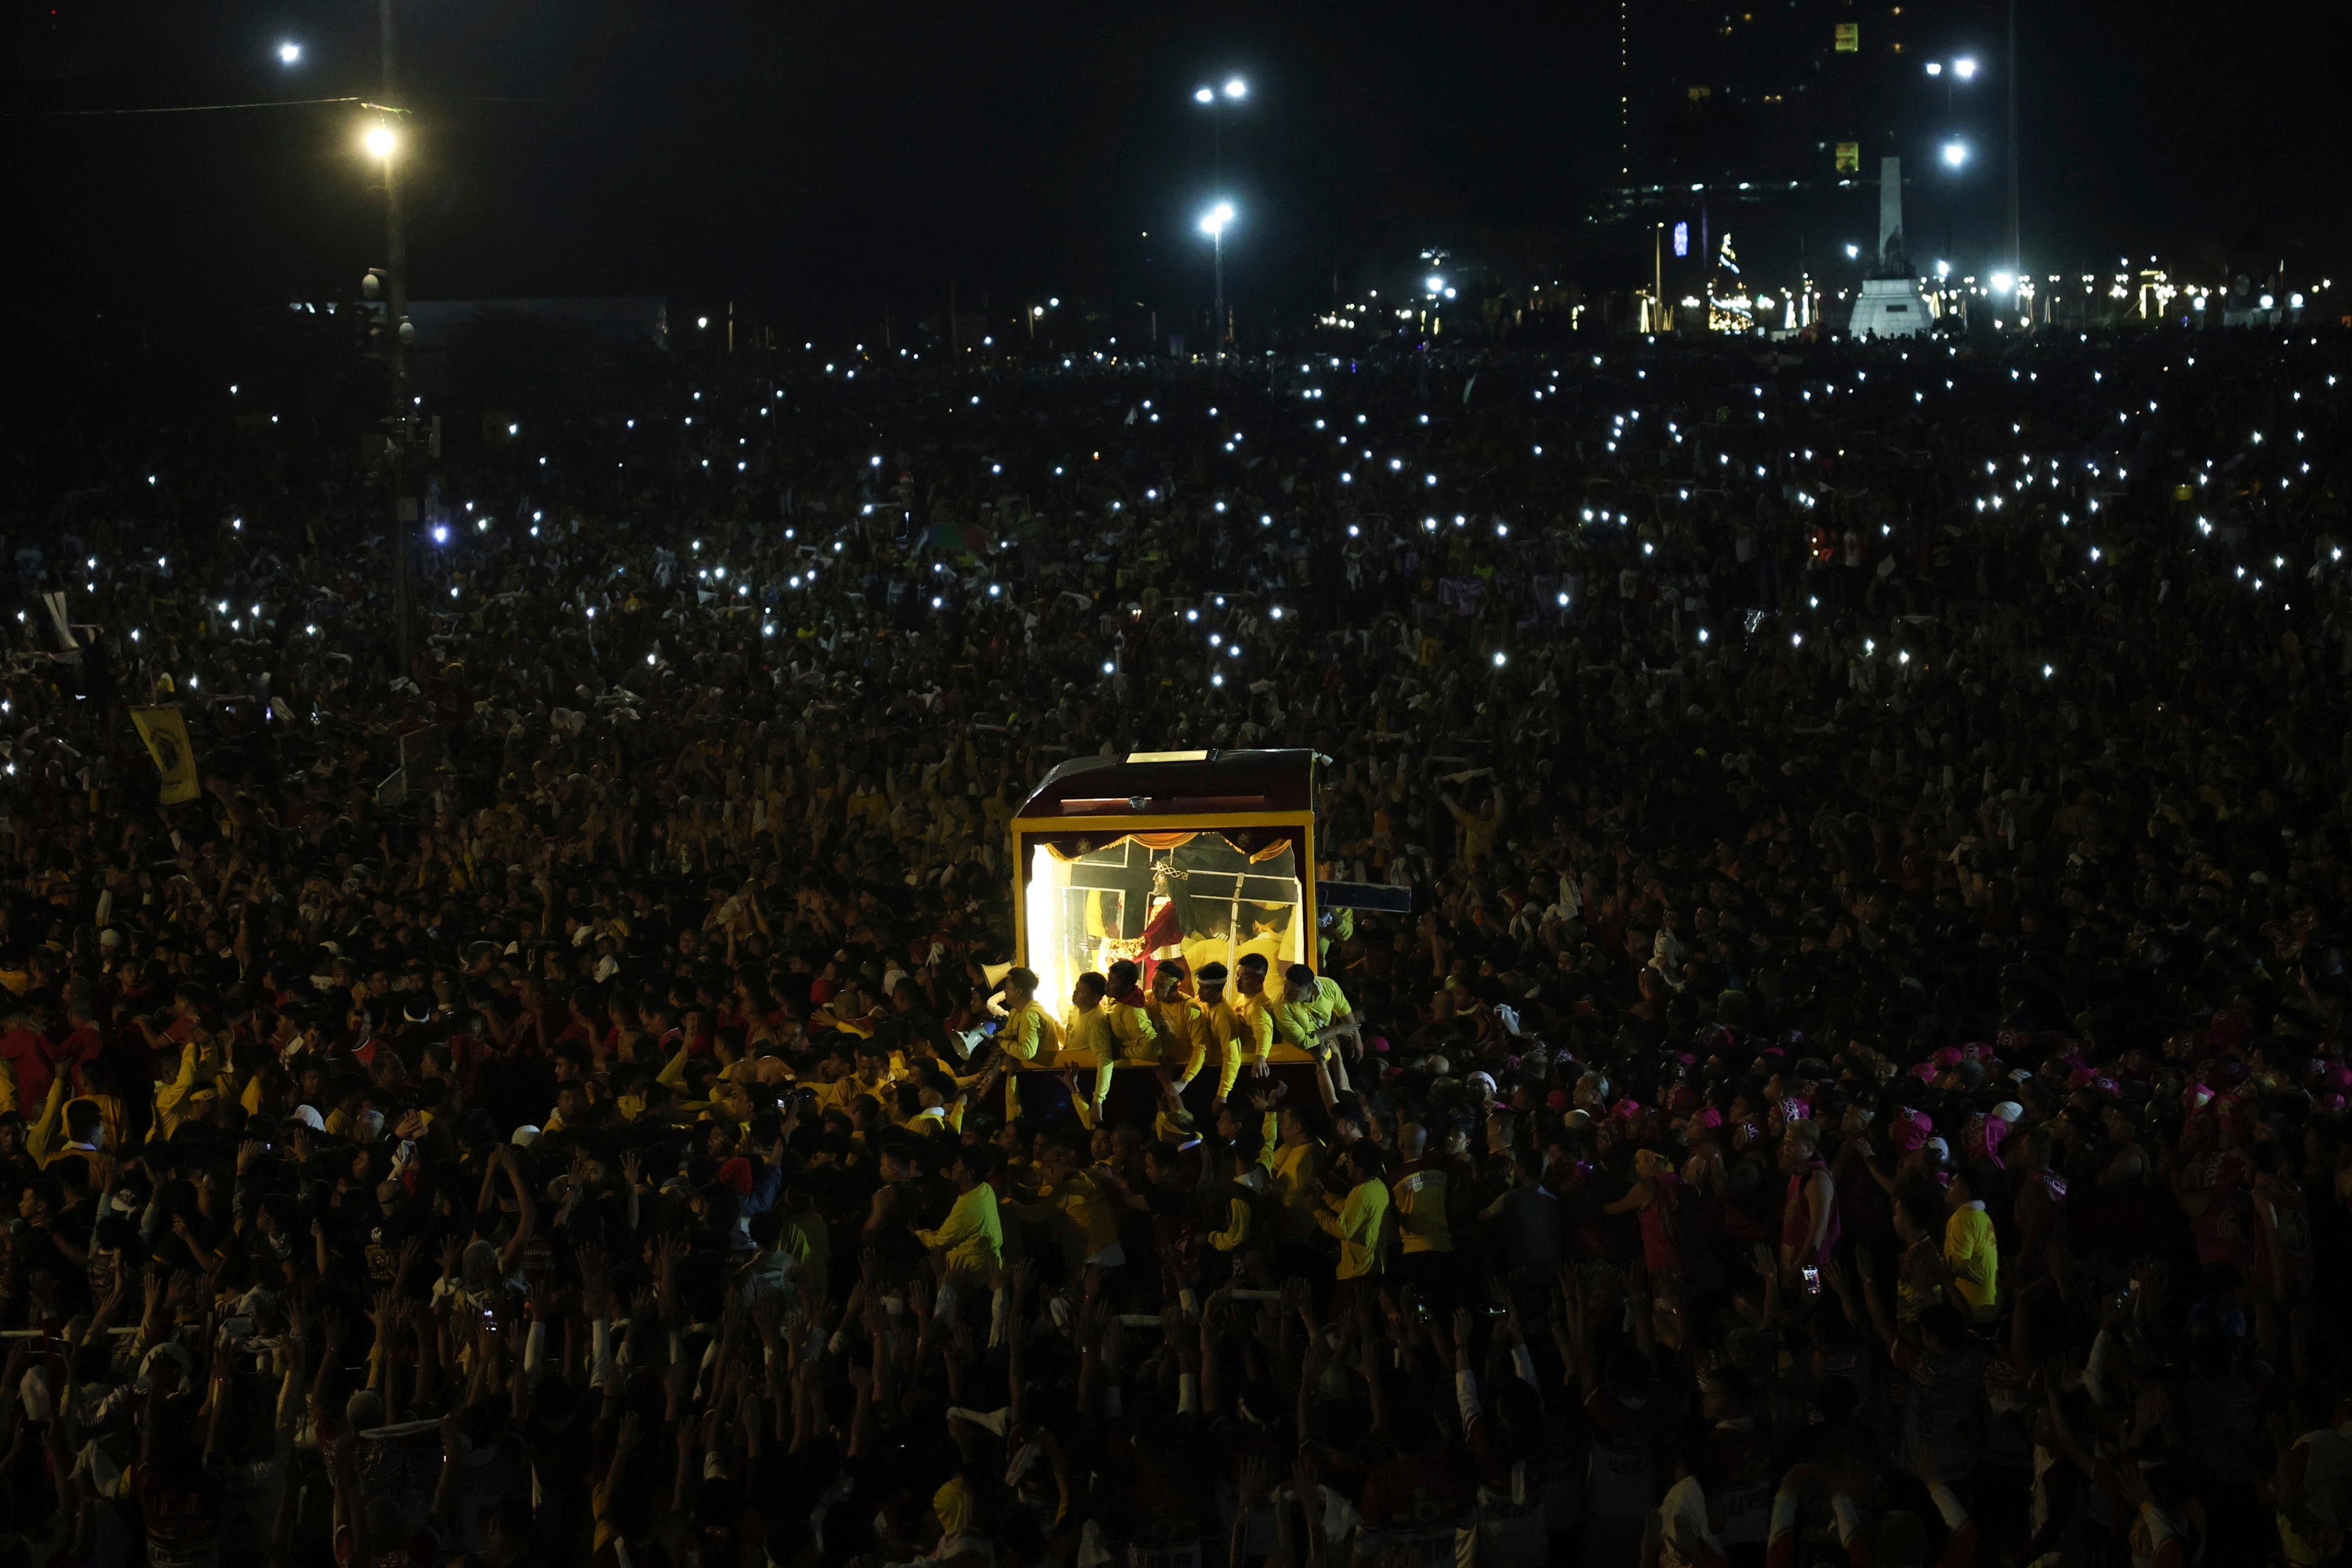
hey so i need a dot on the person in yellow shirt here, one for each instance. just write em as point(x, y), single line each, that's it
point(1089, 1039)
point(78, 1126)
point(201, 1063)
point(928, 1105)
point(1183, 1025)
point(1131, 1017)
point(1229, 1202)
point(1357, 1218)
point(1219, 1036)
point(1085, 1218)
point(1971, 1250)
point(1312, 1012)
point(878, 1067)
point(1293, 1161)
point(1254, 1014)
point(1478, 828)
point(1028, 1033)
point(972, 1235)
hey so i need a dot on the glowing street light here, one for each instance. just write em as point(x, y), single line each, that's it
point(1955, 153)
point(1213, 224)
point(381, 141)
point(1206, 96)
point(1963, 69)
point(289, 53)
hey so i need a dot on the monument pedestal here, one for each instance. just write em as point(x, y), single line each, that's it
point(1889, 308)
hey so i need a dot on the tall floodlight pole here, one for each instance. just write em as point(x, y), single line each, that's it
point(2016, 261)
point(1215, 100)
point(1213, 224)
point(403, 419)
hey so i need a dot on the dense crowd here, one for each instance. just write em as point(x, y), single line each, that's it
point(1864, 1080)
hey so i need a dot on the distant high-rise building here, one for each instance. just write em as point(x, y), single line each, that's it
point(1770, 117)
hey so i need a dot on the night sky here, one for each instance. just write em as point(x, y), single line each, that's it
point(829, 160)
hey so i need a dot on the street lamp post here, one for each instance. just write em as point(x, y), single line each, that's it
point(1236, 89)
point(1213, 100)
point(1961, 70)
point(2013, 257)
point(385, 143)
point(1213, 224)
point(1955, 151)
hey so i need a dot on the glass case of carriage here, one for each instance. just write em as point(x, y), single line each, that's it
point(1165, 857)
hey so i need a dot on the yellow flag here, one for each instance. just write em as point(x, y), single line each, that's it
point(167, 734)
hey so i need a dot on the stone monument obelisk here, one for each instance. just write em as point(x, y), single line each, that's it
point(1889, 304)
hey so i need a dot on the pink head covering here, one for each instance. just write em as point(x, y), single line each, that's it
point(1993, 1131)
point(1908, 1131)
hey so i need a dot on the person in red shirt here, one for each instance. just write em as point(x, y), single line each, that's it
point(83, 1043)
point(26, 1056)
point(660, 1021)
point(580, 1026)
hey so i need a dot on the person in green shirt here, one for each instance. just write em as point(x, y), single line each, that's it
point(1312, 1012)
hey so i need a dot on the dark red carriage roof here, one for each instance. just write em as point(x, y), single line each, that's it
point(1164, 783)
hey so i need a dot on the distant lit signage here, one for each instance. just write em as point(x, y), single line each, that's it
point(1849, 38)
point(1849, 157)
point(1682, 239)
